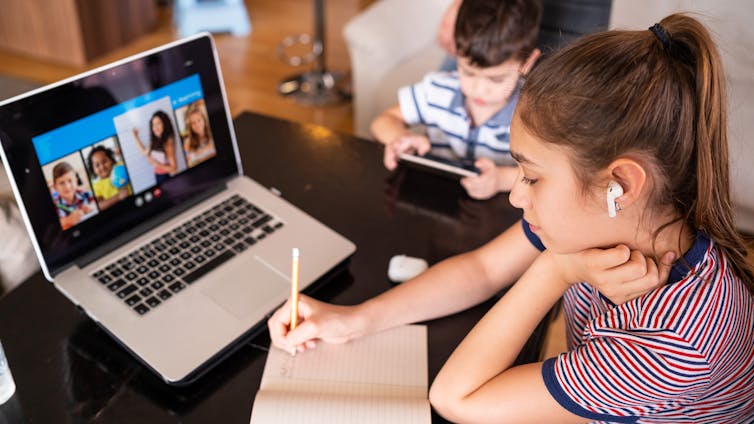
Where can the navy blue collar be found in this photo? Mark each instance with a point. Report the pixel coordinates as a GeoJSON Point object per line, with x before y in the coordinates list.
{"type": "Point", "coordinates": [692, 258]}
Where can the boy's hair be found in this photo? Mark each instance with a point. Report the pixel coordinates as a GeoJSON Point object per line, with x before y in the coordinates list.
{"type": "Point", "coordinates": [60, 169]}
{"type": "Point", "coordinates": [489, 32]}
{"type": "Point", "coordinates": [656, 95]}
{"type": "Point", "coordinates": [106, 150]}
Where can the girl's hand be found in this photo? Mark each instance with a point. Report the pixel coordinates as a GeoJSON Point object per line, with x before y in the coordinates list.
{"type": "Point", "coordinates": [317, 321]}
{"type": "Point", "coordinates": [485, 185]}
{"type": "Point", "coordinates": [406, 143]}
{"type": "Point", "coordinates": [619, 273]}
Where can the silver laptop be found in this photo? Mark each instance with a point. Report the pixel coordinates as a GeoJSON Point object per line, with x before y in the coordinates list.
{"type": "Point", "coordinates": [130, 183]}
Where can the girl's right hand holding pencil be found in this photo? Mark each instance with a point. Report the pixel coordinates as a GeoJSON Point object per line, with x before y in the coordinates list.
{"type": "Point", "coordinates": [317, 321]}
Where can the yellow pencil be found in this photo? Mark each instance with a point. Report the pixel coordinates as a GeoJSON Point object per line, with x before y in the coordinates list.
{"type": "Point", "coordinates": [294, 291]}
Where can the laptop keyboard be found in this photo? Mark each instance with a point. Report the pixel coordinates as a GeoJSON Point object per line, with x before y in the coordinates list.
{"type": "Point", "coordinates": [152, 274]}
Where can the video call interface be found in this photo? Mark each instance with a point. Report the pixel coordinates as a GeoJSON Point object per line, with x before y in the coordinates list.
{"type": "Point", "coordinates": [125, 152]}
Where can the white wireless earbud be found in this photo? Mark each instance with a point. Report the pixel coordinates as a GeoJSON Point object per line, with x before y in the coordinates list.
{"type": "Point", "coordinates": [614, 191]}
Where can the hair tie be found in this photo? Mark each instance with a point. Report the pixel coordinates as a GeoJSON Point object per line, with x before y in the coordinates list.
{"type": "Point", "coordinates": [661, 35]}
{"type": "Point", "coordinates": [676, 50]}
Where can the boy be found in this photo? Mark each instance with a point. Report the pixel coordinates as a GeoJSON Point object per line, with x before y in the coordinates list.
{"type": "Point", "coordinates": [72, 203]}
{"type": "Point", "coordinates": [468, 113]}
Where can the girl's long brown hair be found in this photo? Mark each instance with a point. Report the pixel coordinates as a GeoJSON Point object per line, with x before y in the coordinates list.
{"type": "Point", "coordinates": [656, 94]}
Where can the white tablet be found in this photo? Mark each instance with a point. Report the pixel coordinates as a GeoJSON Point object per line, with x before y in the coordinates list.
{"type": "Point", "coordinates": [442, 166]}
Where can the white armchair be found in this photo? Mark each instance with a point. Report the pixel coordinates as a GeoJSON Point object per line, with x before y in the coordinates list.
{"type": "Point", "coordinates": [17, 258]}
{"type": "Point", "coordinates": [392, 43]}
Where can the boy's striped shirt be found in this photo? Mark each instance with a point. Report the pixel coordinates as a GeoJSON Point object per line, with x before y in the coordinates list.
{"type": "Point", "coordinates": [438, 103]}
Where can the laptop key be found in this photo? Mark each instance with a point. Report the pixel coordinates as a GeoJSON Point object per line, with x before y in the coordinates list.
{"type": "Point", "coordinates": [146, 291]}
{"type": "Point", "coordinates": [208, 266]}
{"type": "Point", "coordinates": [131, 301]}
{"type": "Point", "coordinates": [105, 279]}
{"type": "Point", "coordinates": [176, 287]}
{"type": "Point", "coordinates": [261, 221]}
{"type": "Point", "coordinates": [141, 308]}
{"type": "Point", "coordinates": [142, 281]}
{"type": "Point", "coordinates": [116, 285]}
{"type": "Point", "coordinates": [152, 301]}
{"type": "Point", "coordinates": [164, 294]}
{"type": "Point", "coordinates": [127, 291]}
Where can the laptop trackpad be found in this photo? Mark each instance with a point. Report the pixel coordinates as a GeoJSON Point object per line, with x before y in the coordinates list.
{"type": "Point", "coordinates": [244, 287]}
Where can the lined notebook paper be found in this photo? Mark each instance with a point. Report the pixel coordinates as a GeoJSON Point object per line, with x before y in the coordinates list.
{"type": "Point", "coordinates": [381, 378]}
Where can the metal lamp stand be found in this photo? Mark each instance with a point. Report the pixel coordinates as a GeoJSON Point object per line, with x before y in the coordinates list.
{"type": "Point", "coordinates": [318, 87]}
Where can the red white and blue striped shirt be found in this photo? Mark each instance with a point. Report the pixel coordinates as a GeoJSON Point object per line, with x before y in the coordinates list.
{"type": "Point", "coordinates": [681, 353]}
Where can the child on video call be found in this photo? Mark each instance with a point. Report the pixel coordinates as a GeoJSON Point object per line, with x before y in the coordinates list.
{"type": "Point", "coordinates": [621, 145]}
{"type": "Point", "coordinates": [468, 113]}
{"type": "Point", "coordinates": [198, 143]}
{"type": "Point", "coordinates": [161, 152]}
{"type": "Point", "coordinates": [101, 162]}
{"type": "Point", "coordinates": [71, 202]}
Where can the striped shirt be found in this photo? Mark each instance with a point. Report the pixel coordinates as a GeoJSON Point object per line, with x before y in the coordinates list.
{"type": "Point", "coordinates": [438, 103]}
{"type": "Point", "coordinates": [681, 353]}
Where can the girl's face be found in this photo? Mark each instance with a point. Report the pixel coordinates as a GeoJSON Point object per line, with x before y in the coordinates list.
{"type": "Point", "coordinates": [196, 121]}
{"type": "Point", "coordinates": [65, 185]}
{"type": "Point", "coordinates": [157, 127]}
{"type": "Point", "coordinates": [102, 164]}
{"type": "Point", "coordinates": [548, 192]}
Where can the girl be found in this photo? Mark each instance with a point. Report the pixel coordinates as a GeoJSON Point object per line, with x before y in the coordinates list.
{"type": "Point", "coordinates": [645, 110]}
{"type": "Point", "coordinates": [101, 161]}
{"type": "Point", "coordinates": [198, 145]}
{"type": "Point", "coordinates": [639, 110]}
{"type": "Point", "coordinates": [161, 151]}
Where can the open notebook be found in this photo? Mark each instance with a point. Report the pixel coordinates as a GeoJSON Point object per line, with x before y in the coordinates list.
{"type": "Point", "coordinates": [381, 378]}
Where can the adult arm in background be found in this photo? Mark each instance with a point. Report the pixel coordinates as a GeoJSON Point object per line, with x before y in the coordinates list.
{"type": "Point", "coordinates": [446, 30]}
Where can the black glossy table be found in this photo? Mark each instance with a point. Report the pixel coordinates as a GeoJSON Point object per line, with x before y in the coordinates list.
{"type": "Point", "coordinates": [68, 371]}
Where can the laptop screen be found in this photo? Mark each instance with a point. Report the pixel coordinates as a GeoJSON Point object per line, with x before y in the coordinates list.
{"type": "Point", "coordinates": [98, 155]}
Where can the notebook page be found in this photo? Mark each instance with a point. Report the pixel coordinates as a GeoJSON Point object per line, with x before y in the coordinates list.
{"type": "Point", "coordinates": [375, 379]}
{"type": "Point", "coordinates": [395, 359]}
{"type": "Point", "coordinates": [272, 407]}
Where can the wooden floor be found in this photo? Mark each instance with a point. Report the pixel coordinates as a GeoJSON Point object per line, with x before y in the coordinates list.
{"type": "Point", "coordinates": [249, 64]}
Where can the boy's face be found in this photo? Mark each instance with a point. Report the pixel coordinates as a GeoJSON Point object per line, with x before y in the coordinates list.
{"type": "Point", "coordinates": [488, 88]}
{"type": "Point", "coordinates": [102, 164]}
{"type": "Point", "coordinates": [66, 185]}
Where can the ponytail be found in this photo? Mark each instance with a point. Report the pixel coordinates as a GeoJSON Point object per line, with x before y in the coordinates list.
{"type": "Point", "coordinates": [658, 93]}
{"type": "Point", "coordinates": [712, 209]}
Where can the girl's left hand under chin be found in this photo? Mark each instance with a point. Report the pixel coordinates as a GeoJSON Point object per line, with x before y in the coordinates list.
{"type": "Point", "coordinates": [619, 273]}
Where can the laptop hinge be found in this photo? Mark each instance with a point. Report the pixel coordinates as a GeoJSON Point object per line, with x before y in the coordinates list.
{"type": "Point", "coordinates": [148, 225]}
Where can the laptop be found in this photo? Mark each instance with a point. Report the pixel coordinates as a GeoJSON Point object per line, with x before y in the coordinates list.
{"type": "Point", "coordinates": [130, 184]}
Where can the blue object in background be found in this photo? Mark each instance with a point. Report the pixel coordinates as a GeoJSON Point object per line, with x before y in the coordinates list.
{"type": "Point", "coordinates": [119, 177]}
{"type": "Point", "coordinates": [223, 16]}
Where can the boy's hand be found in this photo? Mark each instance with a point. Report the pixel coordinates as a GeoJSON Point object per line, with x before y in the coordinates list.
{"type": "Point", "coordinates": [407, 143]}
{"type": "Point", "coordinates": [618, 273]}
{"type": "Point", "coordinates": [485, 185]}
